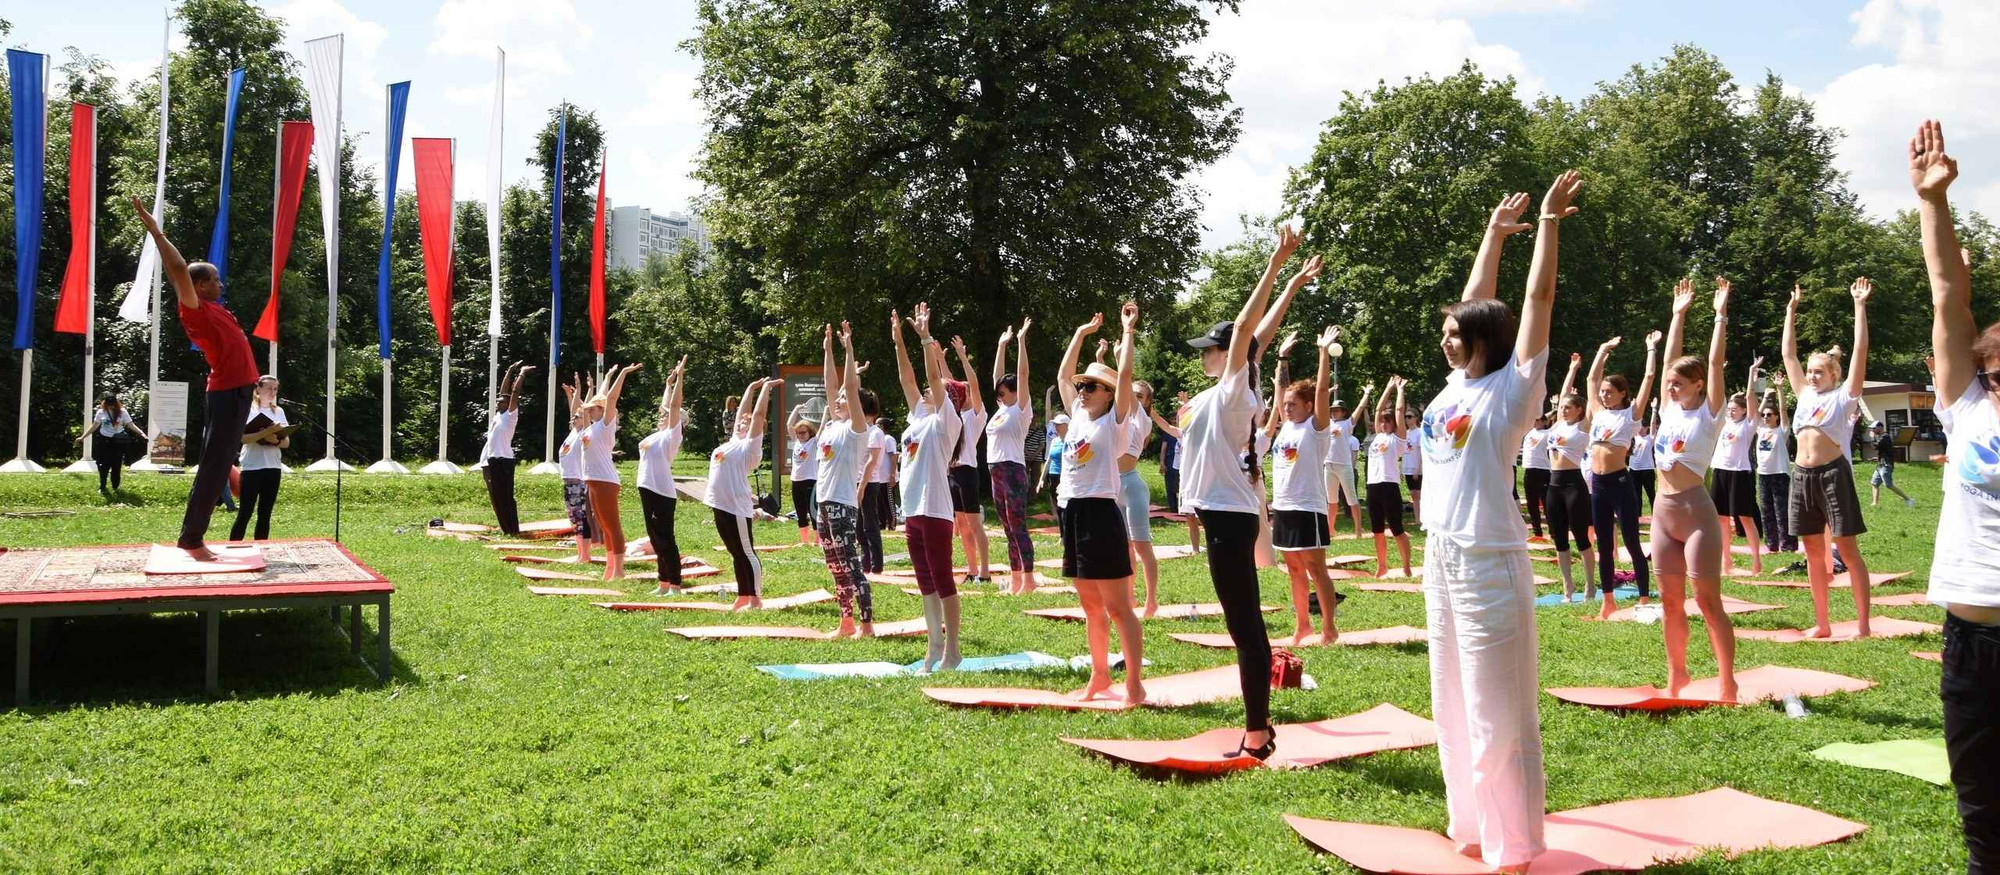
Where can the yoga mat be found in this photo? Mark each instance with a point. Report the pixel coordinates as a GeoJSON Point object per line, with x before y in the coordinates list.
{"type": "Point", "coordinates": [1166, 612]}
{"type": "Point", "coordinates": [460, 536]}
{"type": "Point", "coordinates": [573, 590]}
{"type": "Point", "coordinates": [1300, 745]}
{"type": "Point", "coordinates": [532, 573]}
{"type": "Point", "coordinates": [1920, 758]}
{"type": "Point", "coordinates": [1416, 588]}
{"type": "Point", "coordinates": [1931, 655]}
{"type": "Point", "coordinates": [1355, 638]}
{"type": "Point", "coordinates": [1878, 627]}
{"type": "Point", "coordinates": [1730, 605]}
{"type": "Point", "coordinates": [1352, 559]}
{"type": "Point", "coordinates": [1755, 685]}
{"type": "Point", "coordinates": [1555, 598]}
{"type": "Point", "coordinates": [779, 604]}
{"type": "Point", "coordinates": [1621, 836]}
{"type": "Point", "coordinates": [1840, 581]}
{"type": "Point", "coordinates": [1027, 660]}
{"type": "Point", "coordinates": [534, 559]}
{"type": "Point", "coordinates": [1908, 599]}
{"type": "Point", "coordinates": [555, 528]}
{"type": "Point", "coordinates": [815, 671]}
{"type": "Point", "coordinates": [1173, 691]}
{"type": "Point", "coordinates": [468, 528]}
{"type": "Point", "coordinates": [527, 548]}
{"type": "Point", "coordinates": [899, 629]}
{"type": "Point", "coordinates": [229, 558]}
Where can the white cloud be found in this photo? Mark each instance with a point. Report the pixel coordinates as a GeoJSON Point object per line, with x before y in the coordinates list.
{"type": "Point", "coordinates": [537, 33]}
{"type": "Point", "coordinates": [1943, 67]}
{"type": "Point", "coordinates": [1287, 87]}
{"type": "Point", "coordinates": [361, 89]}
{"type": "Point", "coordinates": [669, 101]}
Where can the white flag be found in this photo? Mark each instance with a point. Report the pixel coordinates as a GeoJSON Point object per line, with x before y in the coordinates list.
{"type": "Point", "coordinates": [138, 303]}
{"type": "Point", "coordinates": [323, 92]}
{"type": "Point", "coordinates": [494, 130]}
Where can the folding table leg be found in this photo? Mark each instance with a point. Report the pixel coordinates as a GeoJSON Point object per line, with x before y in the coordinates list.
{"type": "Point", "coordinates": [211, 622]}
{"type": "Point", "coordinates": [382, 664]}
{"type": "Point", "coordinates": [354, 628]}
{"type": "Point", "coordinates": [22, 654]}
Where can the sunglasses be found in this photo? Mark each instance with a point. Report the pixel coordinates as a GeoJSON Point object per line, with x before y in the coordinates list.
{"type": "Point", "coordinates": [1988, 381]}
{"type": "Point", "coordinates": [1087, 388]}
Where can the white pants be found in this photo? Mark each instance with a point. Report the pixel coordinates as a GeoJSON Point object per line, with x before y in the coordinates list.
{"type": "Point", "coordinates": [1339, 482]}
{"type": "Point", "coordinates": [1480, 609]}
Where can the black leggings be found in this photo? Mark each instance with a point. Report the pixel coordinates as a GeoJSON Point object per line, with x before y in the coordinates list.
{"type": "Point", "coordinates": [742, 547]}
{"type": "Point", "coordinates": [803, 503]}
{"type": "Point", "coordinates": [874, 501]}
{"type": "Point", "coordinates": [1385, 507]}
{"type": "Point", "coordinates": [1536, 483]}
{"type": "Point", "coordinates": [659, 513]}
{"type": "Point", "coordinates": [260, 492]}
{"type": "Point", "coordinates": [110, 455]}
{"type": "Point", "coordinates": [1972, 735]}
{"type": "Point", "coordinates": [1232, 566]}
{"type": "Point", "coordinates": [1645, 479]}
{"type": "Point", "coordinates": [1617, 499]}
{"type": "Point", "coordinates": [1569, 509]}
{"type": "Point", "coordinates": [221, 443]}
{"type": "Point", "coordinates": [499, 477]}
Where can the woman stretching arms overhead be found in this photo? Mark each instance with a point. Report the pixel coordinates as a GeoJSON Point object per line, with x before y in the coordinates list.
{"type": "Point", "coordinates": [1096, 552]}
{"type": "Point", "coordinates": [924, 479]}
{"type": "Point", "coordinates": [1825, 505]}
{"type": "Point", "coordinates": [728, 493]}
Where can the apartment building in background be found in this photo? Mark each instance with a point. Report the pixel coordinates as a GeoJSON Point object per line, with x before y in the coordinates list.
{"type": "Point", "coordinates": [637, 234]}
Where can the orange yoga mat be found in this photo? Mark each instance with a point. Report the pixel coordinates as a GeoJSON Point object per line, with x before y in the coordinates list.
{"type": "Point", "coordinates": [229, 558]}
{"type": "Point", "coordinates": [1755, 685]}
{"type": "Point", "coordinates": [1840, 581]}
{"type": "Point", "coordinates": [1355, 638]}
{"type": "Point", "coordinates": [528, 548]}
{"type": "Point", "coordinates": [1300, 745]}
{"type": "Point", "coordinates": [1350, 559]}
{"type": "Point", "coordinates": [900, 629]}
{"type": "Point", "coordinates": [556, 528]}
{"type": "Point", "coordinates": [792, 601]}
{"type": "Point", "coordinates": [1621, 836]}
{"type": "Point", "coordinates": [1730, 605]}
{"type": "Point", "coordinates": [1173, 691]}
{"type": "Point", "coordinates": [1389, 587]}
{"type": "Point", "coordinates": [535, 559]}
{"type": "Point", "coordinates": [1166, 612]}
{"type": "Point", "coordinates": [573, 590]}
{"type": "Point", "coordinates": [1908, 599]}
{"type": "Point", "coordinates": [1931, 655]}
{"type": "Point", "coordinates": [533, 573]}
{"type": "Point", "coordinates": [1878, 627]}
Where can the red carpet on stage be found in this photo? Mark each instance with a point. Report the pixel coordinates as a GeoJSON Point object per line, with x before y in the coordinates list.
{"type": "Point", "coordinates": [114, 573]}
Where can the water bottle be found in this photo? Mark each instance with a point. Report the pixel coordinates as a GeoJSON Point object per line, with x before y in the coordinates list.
{"type": "Point", "coordinates": [1795, 707]}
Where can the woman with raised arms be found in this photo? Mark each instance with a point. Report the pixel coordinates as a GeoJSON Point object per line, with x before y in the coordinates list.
{"type": "Point", "coordinates": [924, 479]}
{"type": "Point", "coordinates": [1096, 550]}
{"type": "Point", "coordinates": [728, 492]}
{"type": "Point", "coordinates": [1006, 459]}
{"type": "Point", "coordinates": [1614, 494]}
{"type": "Point", "coordinates": [657, 496]}
{"type": "Point", "coordinates": [1825, 506]}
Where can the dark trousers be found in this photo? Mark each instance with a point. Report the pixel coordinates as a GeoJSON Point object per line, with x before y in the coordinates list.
{"type": "Point", "coordinates": [874, 510]}
{"type": "Point", "coordinates": [659, 513]}
{"type": "Point", "coordinates": [499, 477]}
{"type": "Point", "coordinates": [1648, 482]}
{"type": "Point", "coordinates": [1536, 483]}
{"type": "Point", "coordinates": [221, 442]}
{"type": "Point", "coordinates": [1774, 505]}
{"type": "Point", "coordinates": [1173, 477]}
{"type": "Point", "coordinates": [1971, 693]}
{"type": "Point", "coordinates": [1232, 567]}
{"type": "Point", "coordinates": [260, 494]}
{"type": "Point", "coordinates": [110, 455]}
{"type": "Point", "coordinates": [742, 546]}
{"type": "Point", "coordinates": [1616, 499]}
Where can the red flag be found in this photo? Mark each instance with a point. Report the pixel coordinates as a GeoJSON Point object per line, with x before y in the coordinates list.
{"type": "Point", "coordinates": [73, 309]}
{"type": "Point", "coordinates": [433, 157]}
{"type": "Point", "coordinates": [294, 146]}
{"type": "Point", "coordinates": [597, 262]}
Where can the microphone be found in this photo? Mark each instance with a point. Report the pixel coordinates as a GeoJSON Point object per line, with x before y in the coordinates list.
{"type": "Point", "coordinates": [289, 402]}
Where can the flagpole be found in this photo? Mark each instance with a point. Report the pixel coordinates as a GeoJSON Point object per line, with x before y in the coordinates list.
{"type": "Point", "coordinates": [494, 129]}
{"type": "Point", "coordinates": [442, 466]}
{"type": "Point", "coordinates": [88, 463]}
{"type": "Point", "coordinates": [548, 465]}
{"type": "Point", "coordinates": [21, 464]}
{"type": "Point", "coordinates": [145, 462]}
{"type": "Point", "coordinates": [328, 142]}
{"type": "Point", "coordinates": [394, 146]}
{"type": "Point", "coordinates": [277, 199]}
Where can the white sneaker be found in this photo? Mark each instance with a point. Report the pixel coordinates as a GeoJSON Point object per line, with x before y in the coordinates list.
{"type": "Point", "coordinates": [1909, 502]}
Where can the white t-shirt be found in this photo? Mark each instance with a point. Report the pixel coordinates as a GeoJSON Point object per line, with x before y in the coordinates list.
{"type": "Point", "coordinates": [1297, 483]}
{"type": "Point", "coordinates": [259, 457]}
{"type": "Point", "coordinates": [805, 457]}
{"type": "Point", "coordinates": [729, 477]}
{"type": "Point", "coordinates": [1774, 453]}
{"type": "Point", "coordinates": [841, 449]}
{"type": "Point", "coordinates": [1567, 439]}
{"type": "Point", "coordinates": [1215, 427]}
{"type": "Point", "coordinates": [1413, 461]}
{"type": "Point", "coordinates": [1642, 453]}
{"type": "Point", "coordinates": [973, 424]}
{"type": "Point", "coordinates": [1965, 570]}
{"type": "Point", "coordinates": [109, 426]}
{"type": "Point", "coordinates": [570, 456]}
{"type": "Point", "coordinates": [1353, 448]}
{"type": "Point", "coordinates": [885, 462]}
{"type": "Point", "coordinates": [1470, 433]}
{"type": "Point", "coordinates": [656, 460]}
{"type": "Point", "coordinates": [500, 435]}
{"type": "Point", "coordinates": [1733, 445]}
{"type": "Point", "coordinates": [1535, 449]}
{"type": "Point", "coordinates": [922, 476]}
{"type": "Point", "coordinates": [1138, 429]}
{"type": "Point", "coordinates": [1338, 433]}
{"type": "Point", "coordinates": [1830, 412]}
{"type": "Point", "coordinates": [1007, 432]}
{"type": "Point", "coordinates": [1686, 437]}
{"type": "Point", "coordinates": [1614, 427]}
{"type": "Point", "coordinates": [1385, 458]}
{"type": "Point", "coordinates": [598, 438]}
{"type": "Point", "coordinates": [1090, 462]}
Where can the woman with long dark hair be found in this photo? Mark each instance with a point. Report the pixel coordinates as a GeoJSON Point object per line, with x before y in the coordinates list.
{"type": "Point", "coordinates": [1614, 495]}
{"type": "Point", "coordinates": [1569, 494]}
{"type": "Point", "coordinates": [657, 496]}
{"type": "Point", "coordinates": [498, 452]}
{"type": "Point", "coordinates": [728, 492]}
{"type": "Point", "coordinates": [925, 482]}
{"type": "Point", "coordinates": [1006, 459]}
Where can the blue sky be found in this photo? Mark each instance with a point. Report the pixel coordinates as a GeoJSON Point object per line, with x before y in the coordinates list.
{"type": "Point", "coordinates": [1875, 67]}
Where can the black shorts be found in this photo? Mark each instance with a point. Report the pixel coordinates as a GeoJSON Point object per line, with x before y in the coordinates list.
{"type": "Point", "coordinates": [1093, 540]}
{"type": "Point", "coordinates": [1734, 493]}
{"type": "Point", "coordinates": [1385, 508]}
{"type": "Point", "coordinates": [1824, 500]}
{"type": "Point", "coordinates": [965, 489]}
{"type": "Point", "coordinates": [1293, 530]}
{"type": "Point", "coordinates": [1414, 481]}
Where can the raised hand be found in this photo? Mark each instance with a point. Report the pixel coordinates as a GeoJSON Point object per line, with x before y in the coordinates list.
{"type": "Point", "coordinates": [146, 216]}
{"type": "Point", "coordinates": [861, 369]}
{"type": "Point", "coordinates": [1285, 346]}
{"type": "Point", "coordinates": [1506, 218]}
{"type": "Point", "coordinates": [922, 322]}
{"type": "Point", "coordinates": [1611, 344]}
{"type": "Point", "coordinates": [1025, 325]}
{"type": "Point", "coordinates": [846, 336]}
{"type": "Point", "coordinates": [1327, 338]}
{"type": "Point", "coordinates": [1307, 273]}
{"type": "Point", "coordinates": [1103, 346]}
{"type": "Point", "coordinates": [1756, 364]}
{"type": "Point", "coordinates": [1652, 340]}
{"type": "Point", "coordinates": [1128, 316]}
{"type": "Point", "coordinates": [1288, 243]}
{"type": "Point", "coordinates": [1798, 294]}
{"type": "Point", "coordinates": [1090, 328]}
{"type": "Point", "coordinates": [826, 338]}
{"type": "Point", "coordinates": [958, 345]}
{"type": "Point", "coordinates": [896, 324]}
{"type": "Point", "coordinates": [1007, 335]}
{"type": "Point", "coordinates": [1683, 296]}
{"type": "Point", "coordinates": [1722, 291]}
{"type": "Point", "coordinates": [1556, 204]}
{"type": "Point", "coordinates": [1575, 358]}
{"type": "Point", "coordinates": [1861, 289]}
{"type": "Point", "coordinates": [1931, 170]}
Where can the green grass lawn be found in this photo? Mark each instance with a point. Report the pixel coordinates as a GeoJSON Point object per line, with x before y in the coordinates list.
{"type": "Point", "coordinates": [537, 734]}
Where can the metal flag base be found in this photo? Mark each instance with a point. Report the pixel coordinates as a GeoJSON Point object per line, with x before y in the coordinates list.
{"type": "Point", "coordinates": [546, 468]}
{"type": "Point", "coordinates": [386, 466]}
{"type": "Point", "coordinates": [147, 464]}
{"type": "Point", "coordinates": [330, 465]}
{"type": "Point", "coordinates": [82, 466]}
{"type": "Point", "coordinates": [441, 467]}
{"type": "Point", "coordinates": [22, 466]}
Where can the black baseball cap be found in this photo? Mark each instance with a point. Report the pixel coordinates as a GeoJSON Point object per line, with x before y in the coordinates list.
{"type": "Point", "coordinates": [1219, 335]}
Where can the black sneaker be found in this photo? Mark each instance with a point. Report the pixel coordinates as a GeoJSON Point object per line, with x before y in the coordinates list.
{"type": "Point", "coordinates": [1798, 567]}
{"type": "Point", "coordinates": [1840, 568]}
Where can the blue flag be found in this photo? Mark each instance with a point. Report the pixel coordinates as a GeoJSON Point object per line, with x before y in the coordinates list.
{"type": "Point", "coordinates": [28, 73]}
{"type": "Point", "coordinates": [218, 242]}
{"type": "Point", "coordinates": [555, 249]}
{"type": "Point", "coordinates": [399, 100]}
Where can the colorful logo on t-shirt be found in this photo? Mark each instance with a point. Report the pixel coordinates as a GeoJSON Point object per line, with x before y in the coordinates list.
{"type": "Point", "coordinates": [1288, 454]}
{"type": "Point", "coordinates": [716, 458]}
{"type": "Point", "coordinates": [1446, 430]}
{"type": "Point", "coordinates": [826, 452]}
{"type": "Point", "coordinates": [1081, 452]}
{"type": "Point", "coordinates": [1817, 415]}
{"type": "Point", "coordinates": [1979, 467]}
{"type": "Point", "coordinates": [910, 446]}
{"type": "Point", "coordinates": [1671, 443]}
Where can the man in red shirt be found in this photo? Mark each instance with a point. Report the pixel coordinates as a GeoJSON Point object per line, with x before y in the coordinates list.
{"type": "Point", "coordinates": [232, 372]}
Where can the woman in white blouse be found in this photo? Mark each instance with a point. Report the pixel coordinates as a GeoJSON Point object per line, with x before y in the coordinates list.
{"type": "Point", "coordinates": [260, 462]}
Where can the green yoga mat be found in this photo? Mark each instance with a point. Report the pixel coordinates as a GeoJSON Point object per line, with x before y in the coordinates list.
{"type": "Point", "coordinates": [1917, 757]}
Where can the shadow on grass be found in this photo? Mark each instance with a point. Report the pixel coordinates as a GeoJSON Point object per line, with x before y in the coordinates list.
{"type": "Point", "coordinates": [158, 659]}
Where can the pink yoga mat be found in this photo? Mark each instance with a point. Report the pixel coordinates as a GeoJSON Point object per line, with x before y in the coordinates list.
{"type": "Point", "coordinates": [793, 601]}
{"type": "Point", "coordinates": [1931, 655]}
{"type": "Point", "coordinates": [900, 629]}
{"type": "Point", "coordinates": [1878, 627]}
{"type": "Point", "coordinates": [1300, 745]}
{"type": "Point", "coordinates": [1755, 685]}
{"type": "Point", "coordinates": [1840, 581]}
{"type": "Point", "coordinates": [1908, 599]}
{"type": "Point", "coordinates": [556, 528]}
{"type": "Point", "coordinates": [1730, 605]}
{"type": "Point", "coordinates": [1166, 612]}
{"type": "Point", "coordinates": [1355, 638]}
{"type": "Point", "coordinates": [1622, 836]}
{"type": "Point", "coordinates": [229, 558]}
{"type": "Point", "coordinates": [535, 573]}
{"type": "Point", "coordinates": [573, 590]}
{"type": "Point", "coordinates": [1173, 691]}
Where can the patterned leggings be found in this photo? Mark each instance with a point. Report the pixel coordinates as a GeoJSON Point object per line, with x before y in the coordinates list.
{"type": "Point", "coordinates": [1010, 495]}
{"type": "Point", "coordinates": [840, 538]}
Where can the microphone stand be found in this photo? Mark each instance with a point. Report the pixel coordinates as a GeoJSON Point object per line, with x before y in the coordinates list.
{"type": "Point", "coordinates": [313, 426]}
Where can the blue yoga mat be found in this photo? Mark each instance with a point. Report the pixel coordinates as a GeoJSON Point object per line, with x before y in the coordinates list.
{"type": "Point", "coordinates": [1555, 598]}
{"type": "Point", "coordinates": [1025, 661]}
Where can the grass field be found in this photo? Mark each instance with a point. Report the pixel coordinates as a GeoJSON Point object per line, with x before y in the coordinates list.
{"type": "Point", "coordinates": [538, 734]}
